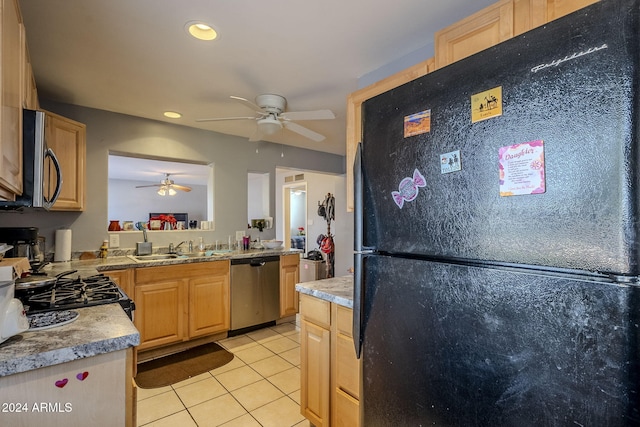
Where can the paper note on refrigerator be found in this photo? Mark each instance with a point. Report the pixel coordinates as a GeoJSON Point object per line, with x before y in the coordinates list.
{"type": "Point", "coordinates": [522, 169]}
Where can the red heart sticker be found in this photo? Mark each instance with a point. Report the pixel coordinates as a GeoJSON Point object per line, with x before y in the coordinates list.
{"type": "Point", "coordinates": [82, 375]}
{"type": "Point", "coordinates": [61, 383]}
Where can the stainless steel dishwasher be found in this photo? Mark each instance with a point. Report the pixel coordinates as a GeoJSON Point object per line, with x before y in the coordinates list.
{"type": "Point", "coordinates": [255, 292]}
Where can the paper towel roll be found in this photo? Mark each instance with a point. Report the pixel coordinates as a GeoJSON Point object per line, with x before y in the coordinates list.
{"type": "Point", "coordinates": [63, 245]}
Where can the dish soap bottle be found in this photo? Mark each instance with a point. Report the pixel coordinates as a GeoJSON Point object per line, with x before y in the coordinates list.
{"type": "Point", "coordinates": [104, 249]}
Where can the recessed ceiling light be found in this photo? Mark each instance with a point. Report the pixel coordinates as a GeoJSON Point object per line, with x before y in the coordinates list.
{"type": "Point", "coordinates": [201, 31]}
{"type": "Point", "coordinates": [172, 114]}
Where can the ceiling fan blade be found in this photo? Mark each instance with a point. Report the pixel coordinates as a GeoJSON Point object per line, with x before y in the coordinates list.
{"type": "Point", "coordinates": [309, 115]}
{"type": "Point", "coordinates": [217, 119]}
{"type": "Point", "coordinates": [248, 103]}
{"type": "Point", "coordinates": [308, 133]}
{"type": "Point", "coordinates": [152, 185]}
{"type": "Point", "coordinates": [181, 187]}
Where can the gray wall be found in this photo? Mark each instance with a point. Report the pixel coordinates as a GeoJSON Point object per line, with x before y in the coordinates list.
{"type": "Point", "coordinates": [232, 157]}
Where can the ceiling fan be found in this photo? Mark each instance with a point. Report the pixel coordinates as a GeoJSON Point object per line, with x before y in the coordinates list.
{"type": "Point", "coordinates": [167, 186]}
{"type": "Point", "coordinates": [271, 117]}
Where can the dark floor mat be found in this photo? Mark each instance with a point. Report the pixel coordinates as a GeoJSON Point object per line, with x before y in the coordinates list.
{"type": "Point", "coordinates": [181, 366]}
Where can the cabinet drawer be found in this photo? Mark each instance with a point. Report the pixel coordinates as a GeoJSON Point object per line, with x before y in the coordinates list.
{"type": "Point", "coordinates": [347, 366]}
{"type": "Point", "coordinates": [344, 320]}
{"type": "Point", "coordinates": [315, 310]}
{"type": "Point", "coordinates": [347, 410]}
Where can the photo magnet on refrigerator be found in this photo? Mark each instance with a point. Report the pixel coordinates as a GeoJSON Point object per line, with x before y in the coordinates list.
{"type": "Point", "coordinates": [450, 162]}
{"type": "Point", "coordinates": [408, 188]}
{"type": "Point", "coordinates": [418, 123]}
{"type": "Point", "coordinates": [487, 104]}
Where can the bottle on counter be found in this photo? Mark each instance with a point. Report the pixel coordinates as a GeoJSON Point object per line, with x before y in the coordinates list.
{"type": "Point", "coordinates": [104, 249]}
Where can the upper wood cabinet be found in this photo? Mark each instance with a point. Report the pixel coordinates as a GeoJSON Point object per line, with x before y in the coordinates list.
{"type": "Point", "coordinates": [30, 95]}
{"type": "Point", "coordinates": [488, 27]}
{"type": "Point", "coordinates": [12, 56]}
{"type": "Point", "coordinates": [497, 23]}
{"type": "Point", "coordinates": [558, 8]}
{"type": "Point", "coordinates": [67, 138]}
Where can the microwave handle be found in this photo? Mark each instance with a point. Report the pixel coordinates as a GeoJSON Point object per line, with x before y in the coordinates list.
{"type": "Point", "coordinates": [49, 203]}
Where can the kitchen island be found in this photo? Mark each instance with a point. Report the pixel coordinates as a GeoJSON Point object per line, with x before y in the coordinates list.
{"type": "Point", "coordinates": [330, 373]}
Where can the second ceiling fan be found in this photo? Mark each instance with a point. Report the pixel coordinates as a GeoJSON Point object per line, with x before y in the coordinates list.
{"type": "Point", "coordinates": [271, 117]}
{"type": "Point", "coordinates": [167, 186]}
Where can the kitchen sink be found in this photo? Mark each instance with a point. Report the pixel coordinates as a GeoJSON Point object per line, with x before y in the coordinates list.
{"type": "Point", "coordinates": [153, 257]}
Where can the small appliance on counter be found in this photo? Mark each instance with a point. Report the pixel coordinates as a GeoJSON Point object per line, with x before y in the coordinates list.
{"type": "Point", "coordinates": [13, 319]}
{"type": "Point", "coordinates": [25, 243]}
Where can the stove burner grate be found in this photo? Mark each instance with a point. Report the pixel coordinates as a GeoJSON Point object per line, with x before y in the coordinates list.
{"type": "Point", "coordinates": [75, 293]}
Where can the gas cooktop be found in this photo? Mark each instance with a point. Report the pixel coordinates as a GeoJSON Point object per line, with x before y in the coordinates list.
{"type": "Point", "coordinates": [68, 293]}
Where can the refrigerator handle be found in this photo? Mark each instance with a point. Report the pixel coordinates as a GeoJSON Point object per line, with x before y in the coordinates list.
{"type": "Point", "coordinates": [359, 252]}
{"type": "Point", "coordinates": [357, 199]}
{"type": "Point", "coordinates": [357, 330]}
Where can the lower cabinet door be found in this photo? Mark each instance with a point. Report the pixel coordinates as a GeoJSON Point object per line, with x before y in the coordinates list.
{"type": "Point", "coordinates": [160, 312]}
{"type": "Point", "coordinates": [315, 374]}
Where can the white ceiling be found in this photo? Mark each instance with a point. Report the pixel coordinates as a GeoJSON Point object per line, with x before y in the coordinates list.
{"type": "Point", "coordinates": [138, 169]}
{"type": "Point", "coordinates": [135, 56]}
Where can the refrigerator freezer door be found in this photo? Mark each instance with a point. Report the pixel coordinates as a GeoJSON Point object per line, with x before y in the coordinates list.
{"type": "Point", "coordinates": [457, 345]}
{"type": "Point", "coordinates": [571, 84]}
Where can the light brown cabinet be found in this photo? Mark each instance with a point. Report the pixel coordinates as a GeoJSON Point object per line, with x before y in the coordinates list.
{"type": "Point", "coordinates": [67, 138]}
{"type": "Point", "coordinates": [181, 302]}
{"type": "Point", "coordinates": [122, 278]}
{"type": "Point", "coordinates": [486, 28]}
{"type": "Point", "coordinates": [289, 276]}
{"type": "Point", "coordinates": [330, 373]}
{"type": "Point", "coordinates": [12, 56]}
{"type": "Point", "coordinates": [315, 360]}
{"type": "Point", "coordinates": [497, 23]}
{"type": "Point", "coordinates": [346, 370]}
{"type": "Point", "coordinates": [30, 95]}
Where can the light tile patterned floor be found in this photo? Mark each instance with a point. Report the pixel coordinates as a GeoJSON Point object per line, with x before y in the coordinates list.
{"type": "Point", "coordinates": [260, 387]}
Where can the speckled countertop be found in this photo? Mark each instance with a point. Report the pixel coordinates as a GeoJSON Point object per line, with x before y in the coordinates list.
{"type": "Point", "coordinates": [97, 330]}
{"type": "Point", "coordinates": [86, 267]}
{"type": "Point", "coordinates": [336, 289]}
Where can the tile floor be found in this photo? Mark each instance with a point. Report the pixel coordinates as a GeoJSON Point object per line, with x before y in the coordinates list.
{"type": "Point", "coordinates": [260, 387]}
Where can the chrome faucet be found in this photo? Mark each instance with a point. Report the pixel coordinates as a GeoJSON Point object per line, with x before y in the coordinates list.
{"type": "Point", "coordinates": [172, 249]}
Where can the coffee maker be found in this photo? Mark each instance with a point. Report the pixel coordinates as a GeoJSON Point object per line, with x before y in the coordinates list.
{"type": "Point", "coordinates": [24, 241]}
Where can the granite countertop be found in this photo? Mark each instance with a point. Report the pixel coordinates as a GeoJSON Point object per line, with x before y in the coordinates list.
{"type": "Point", "coordinates": [336, 289]}
{"type": "Point", "coordinates": [97, 330]}
{"type": "Point", "coordinates": [87, 267]}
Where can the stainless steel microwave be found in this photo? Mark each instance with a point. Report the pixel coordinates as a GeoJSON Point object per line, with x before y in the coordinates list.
{"type": "Point", "coordinates": [42, 176]}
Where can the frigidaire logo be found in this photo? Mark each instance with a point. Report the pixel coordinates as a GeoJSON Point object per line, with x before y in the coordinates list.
{"type": "Point", "coordinates": [568, 58]}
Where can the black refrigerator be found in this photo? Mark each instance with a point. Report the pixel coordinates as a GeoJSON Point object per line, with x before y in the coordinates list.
{"type": "Point", "coordinates": [496, 237]}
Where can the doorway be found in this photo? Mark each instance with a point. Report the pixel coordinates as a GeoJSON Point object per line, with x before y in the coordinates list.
{"type": "Point", "coordinates": [295, 216]}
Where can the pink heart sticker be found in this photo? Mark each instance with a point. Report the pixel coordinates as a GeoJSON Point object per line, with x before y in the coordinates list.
{"type": "Point", "coordinates": [61, 383]}
{"type": "Point", "coordinates": [82, 375]}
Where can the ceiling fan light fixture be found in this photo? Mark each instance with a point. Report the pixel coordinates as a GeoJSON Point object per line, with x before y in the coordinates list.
{"type": "Point", "coordinates": [201, 31]}
{"type": "Point", "coordinates": [162, 191]}
{"type": "Point", "coordinates": [172, 192]}
{"type": "Point", "coordinates": [269, 125]}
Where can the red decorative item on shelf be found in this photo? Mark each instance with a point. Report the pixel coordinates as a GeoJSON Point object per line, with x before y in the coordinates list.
{"type": "Point", "coordinates": [164, 220]}
{"type": "Point", "coordinates": [114, 225]}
